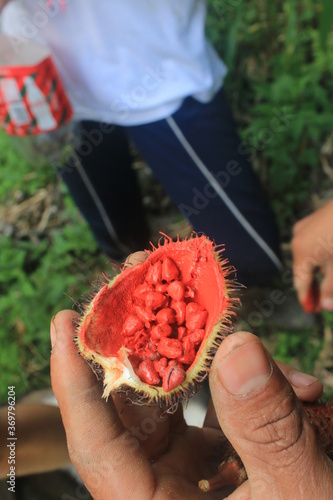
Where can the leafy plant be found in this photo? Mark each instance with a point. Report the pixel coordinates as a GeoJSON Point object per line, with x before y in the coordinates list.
{"type": "Point", "coordinates": [298, 347]}
{"type": "Point", "coordinates": [325, 22]}
{"type": "Point", "coordinates": [280, 85]}
{"type": "Point", "coordinates": [36, 272]}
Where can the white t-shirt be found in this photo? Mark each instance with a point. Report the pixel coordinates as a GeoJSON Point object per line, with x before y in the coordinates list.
{"type": "Point", "coordinates": [126, 62]}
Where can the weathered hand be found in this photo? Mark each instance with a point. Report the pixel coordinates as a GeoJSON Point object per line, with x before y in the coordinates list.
{"type": "Point", "coordinates": [265, 422]}
{"type": "Point", "coordinates": [312, 247]}
{"type": "Point", "coordinates": [3, 3]}
{"type": "Point", "coordinates": [132, 453]}
{"type": "Point", "coordinates": [129, 451]}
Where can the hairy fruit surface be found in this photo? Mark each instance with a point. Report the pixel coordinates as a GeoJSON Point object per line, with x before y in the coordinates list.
{"type": "Point", "coordinates": [155, 327]}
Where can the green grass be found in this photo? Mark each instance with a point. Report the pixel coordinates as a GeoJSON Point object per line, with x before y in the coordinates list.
{"type": "Point", "coordinates": [278, 67]}
{"type": "Point", "coordinates": [37, 272]}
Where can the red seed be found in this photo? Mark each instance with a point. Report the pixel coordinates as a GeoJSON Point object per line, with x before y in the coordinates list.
{"type": "Point", "coordinates": [160, 365]}
{"type": "Point", "coordinates": [141, 337]}
{"type": "Point", "coordinates": [147, 372]}
{"type": "Point", "coordinates": [137, 341]}
{"type": "Point", "coordinates": [154, 273]}
{"type": "Point", "coordinates": [197, 336]}
{"type": "Point", "coordinates": [155, 300]}
{"type": "Point", "coordinates": [196, 316]}
{"type": "Point", "coordinates": [189, 292]}
{"type": "Point", "coordinates": [161, 287]}
{"type": "Point", "coordinates": [175, 362]}
{"type": "Point", "coordinates": [172, 377]}
{"type": "Point", "coordinates": [166, 315]}
{"type": "Point", "coordinates": [161, 330]}
{"type": "Point", "coordinates": [152, 355]}
{"type": "Point", "coordinates": [189, 352]}
{"type": "Point", "coordinates": [193, 308]}
{"type": "Point", "coordinates": [176, 290]}
{"type": "Point", "coordinates": [132, 325]}
{"type": "Point", "coordinates": [170, 270]}
{"type": "Point", "coordinates": [170, 348]}
{"type": "Point", "coordinates": [181, 332]}
{"type": "Point", "coordinates": [142, 290]}
{"type": "Point", "coordinates": [145, 315]}
{"type": "Point", "coordinates": [180, 311]}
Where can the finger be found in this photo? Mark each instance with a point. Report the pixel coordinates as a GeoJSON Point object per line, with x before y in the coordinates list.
{"type": "Point", "coordinates": [211, 419]}
{"type": "Point", "coordinates": [301, 224]}
{"type": "Point", "coordinates": [306, 387]}
{"type": "Point", "coordinates": [264, 421]}
{"type": "Point", "coordinates": [102, 450]}
{"type": "Point", "coordinates": [326, 288]}
{"type": "Point", "coordinates": [303, 269]}
{"type": "Point", "coordinates": [304, 262]}
{"type": "Point", "coordinates": [136, 258]}
{"type": "Point", "coordinates": [312, 247]}
{"type": "Point", "coordinates": [243, 492]}
{"type": "Point", "coordinates": [149, 424]}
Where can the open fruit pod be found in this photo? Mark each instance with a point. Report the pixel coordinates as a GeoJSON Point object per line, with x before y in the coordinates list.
{"type": "Point", "coordinates": [152, 331]}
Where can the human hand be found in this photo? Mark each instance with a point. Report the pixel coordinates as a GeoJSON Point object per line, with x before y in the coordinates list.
{"type": "Point", "coordinates": [266, 424]}
{"type": "Point", "coordinates": [129, 451]}
{"type": "Point", "coordinates": [312, 247]}
{"type": "Point", "coordinates": [3, 3]}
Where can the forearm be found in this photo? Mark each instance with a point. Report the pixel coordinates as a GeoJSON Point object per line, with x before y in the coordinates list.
{"type": "Point", "coordinates": [41, 441]}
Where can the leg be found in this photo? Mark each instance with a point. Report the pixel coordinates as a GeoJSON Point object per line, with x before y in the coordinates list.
{"type": "Point", "coordinates": [104, 186]}
{"type": "Point", "coordinates": [195, 155]}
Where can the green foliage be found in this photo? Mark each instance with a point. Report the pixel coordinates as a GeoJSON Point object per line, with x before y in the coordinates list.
{"type": "Point", "coordinates": [16, 174]}
{"type": "Point", "coordinates": [280, 85]}
{"type": "Point", "coordinates": [34, 277]}
{"type": "Point", "coordinates": [326, 22]}
{"type": "Point", "coordinates": [298, 347]}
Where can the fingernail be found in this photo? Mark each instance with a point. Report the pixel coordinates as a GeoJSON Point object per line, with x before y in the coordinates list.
{"type": "Point", "coordinates": [53, 333]}
{"type": "Point", "coordinates": [300, 380]}
{"type": "Point", "coordinates": [245, 369]}
{"type": "Point", "coordinates": [327, 303]}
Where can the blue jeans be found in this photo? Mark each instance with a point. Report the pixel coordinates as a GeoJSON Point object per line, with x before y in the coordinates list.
{"type": "Point", "coordinates": [197, 156]}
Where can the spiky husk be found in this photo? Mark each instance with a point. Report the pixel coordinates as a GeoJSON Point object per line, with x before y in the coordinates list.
{"type": "Point", "coordinates": [201, 263]}
{"type": "Point", "coordinates": [320, 415]}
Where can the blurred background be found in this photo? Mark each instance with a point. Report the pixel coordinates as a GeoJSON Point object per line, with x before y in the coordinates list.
{"type": "Point", "coordinates": [280, 61]}
{"type": "Point", "coordinates": [279, 56]}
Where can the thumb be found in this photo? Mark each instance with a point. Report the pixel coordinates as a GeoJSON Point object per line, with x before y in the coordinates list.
{"type": "Point", "coordinates": [100, 447]}
{"type": "Point", "coordinates": [264, 421]}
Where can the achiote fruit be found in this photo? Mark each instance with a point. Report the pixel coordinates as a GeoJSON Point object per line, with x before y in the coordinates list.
{"type": "Point", "coordinates": [155, 327]}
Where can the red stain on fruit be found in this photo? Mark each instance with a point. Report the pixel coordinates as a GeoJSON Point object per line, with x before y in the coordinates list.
{"type": "Point", "coordinates": [311, 303]}
{"type": "Point", "coordinates": [155, 327]}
